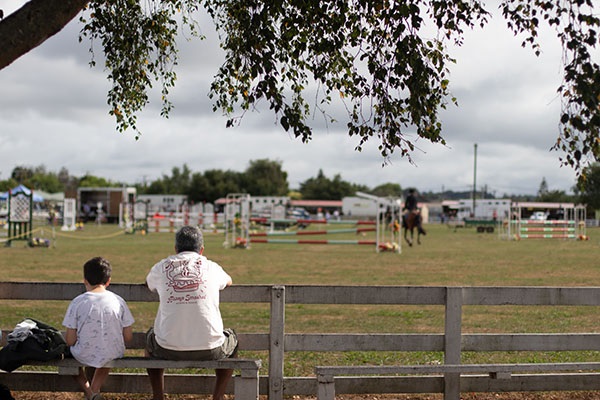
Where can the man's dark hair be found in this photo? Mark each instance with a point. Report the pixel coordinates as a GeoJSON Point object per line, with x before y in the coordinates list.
{"type": "Point", "coordinates": [97, 271]}
{"type": "Point", "coordinates": [189, 238]}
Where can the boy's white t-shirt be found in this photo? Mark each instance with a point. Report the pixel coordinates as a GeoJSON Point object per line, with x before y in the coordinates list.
{"type": "Point", "coordinates": [99, 319]}
{"type": "Point", "coordinates": [188, 316]}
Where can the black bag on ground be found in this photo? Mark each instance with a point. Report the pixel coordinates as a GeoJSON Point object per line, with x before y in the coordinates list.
{"type": "Point", "coordinates": [43, 343]}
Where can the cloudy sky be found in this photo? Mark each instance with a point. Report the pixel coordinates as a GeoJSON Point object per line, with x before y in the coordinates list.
{"type": "Point", "coordinates": [53, 112]}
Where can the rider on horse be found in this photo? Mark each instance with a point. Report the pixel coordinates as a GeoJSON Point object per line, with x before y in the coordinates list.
{"type": "Point", "coordinates": [411, 201]}
{"type": "Point", "coordinates": [410, 207]}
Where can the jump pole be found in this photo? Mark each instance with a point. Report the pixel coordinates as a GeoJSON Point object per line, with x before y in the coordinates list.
{"type": "Point", "coordinates": [264, 220]}
{"type": "Point", "coordinates": [383, 204]}
{"type": "Point", "coordinates": [547, 236]}
{"type": "Point", "coordinates": [313, 241]}
{"type": "Point", "coordinates": [541, 229]}
{"type": "Point", "coordinates": [69, 214]}
{"type": "Point", "coordinates": [237, 220]}
{"type": "Point", "coordinates": [308, 233]}
{"type": "Point", "coordinates": [549, 222]}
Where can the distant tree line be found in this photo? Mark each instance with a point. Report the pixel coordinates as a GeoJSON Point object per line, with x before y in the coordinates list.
{"type": "Point", "coordinates": [266, 177]}
{"type": "Point", "coordinates": [39, 178]}
{"type": "Point", "coordinates": [262, 177]}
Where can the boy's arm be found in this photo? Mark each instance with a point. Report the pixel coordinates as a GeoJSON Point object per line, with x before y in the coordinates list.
{"type": "Point", "coordinates": [127, 334]}
{"type": "Point", "coordinates": [71, 336]}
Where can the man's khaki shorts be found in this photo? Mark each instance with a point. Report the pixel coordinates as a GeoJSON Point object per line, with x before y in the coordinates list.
{"type": "Point", "coordinates": [227, 350]}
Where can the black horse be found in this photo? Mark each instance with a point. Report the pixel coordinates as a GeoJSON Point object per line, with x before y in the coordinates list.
{"type": "Point", "coordinates": [410, 221]}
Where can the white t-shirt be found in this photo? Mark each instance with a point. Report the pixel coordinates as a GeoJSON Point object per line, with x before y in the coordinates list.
{"type": "Point", "coordinates": [99, 319]}
{"type": "Point", "coordinates": [188, 316]}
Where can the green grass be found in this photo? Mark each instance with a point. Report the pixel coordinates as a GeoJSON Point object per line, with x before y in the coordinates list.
{"type": "Point", "coordinates": [446, 257]}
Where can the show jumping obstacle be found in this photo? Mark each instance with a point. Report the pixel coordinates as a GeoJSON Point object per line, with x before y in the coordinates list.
{"type": "Point", "coordinates": [262, 237]}
{"type": "Point", "coordinates": [560, 230]}
{"type": "Point", "coordinates": [571, 225]}
{"type": "Point", "coordinates": [386, 227]}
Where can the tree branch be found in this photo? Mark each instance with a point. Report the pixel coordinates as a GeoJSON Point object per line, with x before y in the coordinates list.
{"type": "Point", "coordinates": [33, 24]}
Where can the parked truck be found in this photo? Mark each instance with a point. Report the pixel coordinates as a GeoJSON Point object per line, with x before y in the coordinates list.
{"type": "Point", "coordinates": [359, 207]}
{"type": "Point", "coordinates": [485, 217]}
{"type": "Point", "coordinates": [485, 209]}
{"type": "Point", "coordinates": [103, 203]}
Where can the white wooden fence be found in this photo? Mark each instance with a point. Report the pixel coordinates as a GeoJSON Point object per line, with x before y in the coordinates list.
{"type": "Point", "coordinates": [452, 341]}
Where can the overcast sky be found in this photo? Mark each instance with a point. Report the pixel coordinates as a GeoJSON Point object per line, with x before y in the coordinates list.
{"type": "Point", "coordinates": [53, 112]}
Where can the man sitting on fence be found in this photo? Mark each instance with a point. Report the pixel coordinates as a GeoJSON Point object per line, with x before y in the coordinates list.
{"type": "Point", "coordinates": [188, 324]}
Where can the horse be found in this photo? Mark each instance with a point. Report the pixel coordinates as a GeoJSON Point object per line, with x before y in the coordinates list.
{"type": "Point", "coordinates": [410, 221]}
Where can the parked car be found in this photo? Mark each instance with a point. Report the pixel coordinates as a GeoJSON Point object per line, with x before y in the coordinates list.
{"type": "Point", "coordinates": [298, 213]}
{"type": "Point", "coordinates": [538, 216]}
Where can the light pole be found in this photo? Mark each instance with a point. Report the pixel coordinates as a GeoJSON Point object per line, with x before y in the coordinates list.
{"type": "Point", "coordinates": [474, 178]}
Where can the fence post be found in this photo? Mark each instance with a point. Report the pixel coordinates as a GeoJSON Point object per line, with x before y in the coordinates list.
{"type": "Point", "coordinates": [325, 387]}
{"type": "Point", "coordinates": [276, 342]}
{"type": "Point", "coordinates": [452, 341]}
{"type": "Point", "coordinates": [246, 385]}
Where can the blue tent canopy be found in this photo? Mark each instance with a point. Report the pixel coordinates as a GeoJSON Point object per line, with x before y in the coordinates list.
{"type": "Point", "coordinates": [22, 189]}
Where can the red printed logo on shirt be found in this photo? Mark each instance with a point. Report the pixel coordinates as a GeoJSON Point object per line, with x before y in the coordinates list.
{"type": "Point", "coordinates": [184, 276]}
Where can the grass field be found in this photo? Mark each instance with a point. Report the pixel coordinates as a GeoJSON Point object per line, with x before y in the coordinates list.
{"type": "Point", "coordinates": [446, 257]}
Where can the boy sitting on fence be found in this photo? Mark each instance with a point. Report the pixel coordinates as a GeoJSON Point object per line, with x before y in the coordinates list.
{"type": "Point", "coordinates": [98, 324]}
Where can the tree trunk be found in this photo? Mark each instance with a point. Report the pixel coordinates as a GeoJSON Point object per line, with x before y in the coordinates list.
{"type": "Point", "coordinates": [32, 24]}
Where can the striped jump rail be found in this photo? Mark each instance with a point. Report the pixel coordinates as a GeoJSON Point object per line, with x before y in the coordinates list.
{"type": "Point", "coordinates": [319, 232]}
{"type": "Point", "coordinates": [312, 241]}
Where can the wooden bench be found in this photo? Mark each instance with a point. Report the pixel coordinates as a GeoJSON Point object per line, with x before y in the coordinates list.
{"type": "Point", "coordinates": [245, 384]}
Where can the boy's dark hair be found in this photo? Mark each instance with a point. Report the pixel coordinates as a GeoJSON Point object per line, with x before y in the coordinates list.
{"type": "Point", "coordinates": [97, 271]}
{"type": "Point", "coordinates": [189, 238]}
{"type": "Point", "coordinates": [5, 393]}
